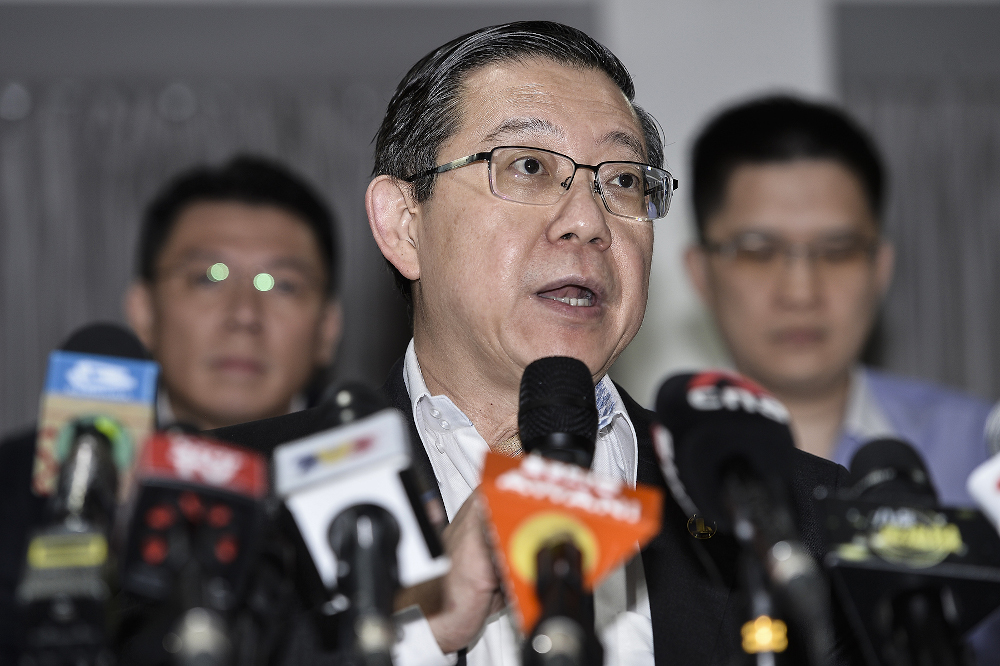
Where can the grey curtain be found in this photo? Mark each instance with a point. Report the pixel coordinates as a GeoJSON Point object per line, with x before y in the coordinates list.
{"type": "Point", "coordinates": [79, 159]}
{"type": "Point", "coordinates": [940, 135]}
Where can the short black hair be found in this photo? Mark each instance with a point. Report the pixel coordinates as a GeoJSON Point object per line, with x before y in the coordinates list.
{"type": "Point", "coordinates": [425, 110]}
{"type": "Point", "coordinates": [244, 179]}
{"type": "Point", "coordinates": [779, 129]}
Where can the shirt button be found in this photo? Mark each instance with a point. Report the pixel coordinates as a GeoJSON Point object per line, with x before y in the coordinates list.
{"type": "Point", "coordinates": [435, 413]}
{"type": "Point", "coordinates": [439, 445]}
{"type": "Point", "coordinates": [445, 425]}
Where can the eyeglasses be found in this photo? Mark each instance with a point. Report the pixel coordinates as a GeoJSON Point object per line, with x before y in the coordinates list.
{"type": "Point", "coordinates": [758, 252]}
{"type": "Point", "coordinates": [540, 177]}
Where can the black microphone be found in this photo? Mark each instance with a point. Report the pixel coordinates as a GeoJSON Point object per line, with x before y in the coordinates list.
{"type": "Point", "coordinates": [557, 418]}
{"type": "Point", "coordinates": [912, 576]}
{"type": "Point", "coordinates": [192, 531]}
{"type": "Point", "coordinates": [726, 452]}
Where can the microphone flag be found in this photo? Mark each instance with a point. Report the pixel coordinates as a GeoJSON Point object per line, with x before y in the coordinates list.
{"type": "Point", "coordinates": [532, 500]}
{"type": "Point", "coordinates": [119, 394]}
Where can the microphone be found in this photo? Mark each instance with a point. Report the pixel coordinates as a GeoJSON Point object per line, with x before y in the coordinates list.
{"type": "Point", "coordinates": [194, 521]}
{"type": "Point", "coordinates": [102, 370]}
{"type": "Point", "coordinates": [557, 418]}
{"type": "Point", "coordinates": [363, 517]}
{"type": "Point", "coordinates": [95, 385]}
{"type": "Point", "coordinates": [559, 528]}
{"type": "Point", "coordinates": [913, 576]}
{"type": "Point", "coordinates": [726, 452]}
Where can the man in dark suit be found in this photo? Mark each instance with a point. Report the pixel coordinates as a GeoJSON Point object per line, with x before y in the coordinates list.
{"type": "Point", "coordinates": [515, 192]}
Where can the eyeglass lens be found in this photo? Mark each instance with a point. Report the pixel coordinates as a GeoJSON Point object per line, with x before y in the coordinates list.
{"type": "Point", "coordinates": [535, 176]}
{"type": "Point", "coordinates": [760, 252]}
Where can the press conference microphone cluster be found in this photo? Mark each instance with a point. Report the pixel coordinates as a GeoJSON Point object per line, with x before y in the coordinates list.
{"type": "Point", "coordinates": [725, 449]}
{"type": "Point", "coordinates": [912, 576]}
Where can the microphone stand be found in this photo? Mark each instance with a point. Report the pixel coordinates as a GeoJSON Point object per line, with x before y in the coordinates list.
{"type": "Point", "coordinates": [564, 634]}
{"type": "Point", "coordinates": [561, 637]}
{"type": "Point", "coordinates": [364, 538]}
{"type": "Point", "coordinates": [65, 594]}
{"type": "Point", "coordinates": [770, 552]}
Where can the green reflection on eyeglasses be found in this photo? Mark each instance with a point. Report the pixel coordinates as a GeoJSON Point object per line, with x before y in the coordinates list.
{"type": "Point", "coordinates": [263, 282]}
{"type": "Point", "coordinates": [217, 272]}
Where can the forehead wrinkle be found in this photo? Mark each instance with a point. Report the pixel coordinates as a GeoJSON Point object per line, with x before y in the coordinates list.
{"type": "Point", "coordinates": [520, 126]}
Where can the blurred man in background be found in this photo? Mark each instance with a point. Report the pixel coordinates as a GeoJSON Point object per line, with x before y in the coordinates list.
{"type": "Point", "coordinates": [236, 295]}
{"type": "Point", "coordinates": [791, 261]}
{"type": "Point", "coordinates": [236, 299]}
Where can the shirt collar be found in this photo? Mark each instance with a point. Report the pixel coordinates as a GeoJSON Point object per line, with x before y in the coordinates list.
{"type": "Point", "coordinates": [865, 419]}
{"type": "Point", "coordinates": [609, 403]}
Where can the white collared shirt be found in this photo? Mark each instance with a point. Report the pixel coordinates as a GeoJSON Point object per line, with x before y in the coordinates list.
{"type": "Point", "coordinates": [457, 452]}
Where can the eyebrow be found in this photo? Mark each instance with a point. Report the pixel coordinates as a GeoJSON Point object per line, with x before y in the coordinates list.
{"type": "Point", "coordinates": [519, 126]}
{"type": "Point", "coordinates": [523, 126]}
{"type": "Point", "coordinates": [627, 140]}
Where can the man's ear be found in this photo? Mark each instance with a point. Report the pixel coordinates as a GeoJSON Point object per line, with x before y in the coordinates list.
{"type": "Point", "coordinates": [885, 261]}
{"type": "Point", "coordinates": [696, 264]}
{"type": "Point", "coordinates": [394, 218]}
{"type": "Point", "coordinates": [139, 312]}
{"type": "Point", "coordinates": [331, 326]}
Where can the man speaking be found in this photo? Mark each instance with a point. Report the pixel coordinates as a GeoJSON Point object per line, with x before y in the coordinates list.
{"type": "Point", "coordinates": [515, 193]}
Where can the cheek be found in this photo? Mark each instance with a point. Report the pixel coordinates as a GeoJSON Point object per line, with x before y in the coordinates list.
{"type": "Point", "coordinates": [293, 332]}
{"type": "Point", "coordinates": [742, 302]}
{"type": "Point", "coordinates": [853, 303]}
{"type": "Point", "coordinates": [181, 328]}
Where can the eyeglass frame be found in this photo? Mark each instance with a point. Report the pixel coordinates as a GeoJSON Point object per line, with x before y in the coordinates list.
{"type": "Point", "coordinates": [787, 250]}
{"type": "Point", "coordinates": [488, 158]}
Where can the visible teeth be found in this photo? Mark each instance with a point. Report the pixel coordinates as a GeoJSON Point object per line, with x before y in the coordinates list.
{"type": "Point", "coordinates": [575, 302]}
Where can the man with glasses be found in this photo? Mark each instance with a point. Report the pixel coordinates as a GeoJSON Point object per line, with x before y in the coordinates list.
{"type": "Point", "coordinates": [236, 295]}
{"type": "Point", "coordinates": [791, 261]}
{"type": "Point", "coordinates": [515, 191]}
{"type": "Point", "coordinates": [515, 194]}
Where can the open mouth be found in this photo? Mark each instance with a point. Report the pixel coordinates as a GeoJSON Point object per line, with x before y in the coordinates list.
{"type": "Point", "coordinates": [579, 297]}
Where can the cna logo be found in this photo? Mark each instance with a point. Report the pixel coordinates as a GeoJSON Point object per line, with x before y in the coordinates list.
{"type": "Point", "coordinates": [335, 454]}
{"type": "Point", "coordinates": [194, 461]}
{"type": "Point", "coordinates": [89, 376]}
{"type": "Point", "coordinates": [711, 391]}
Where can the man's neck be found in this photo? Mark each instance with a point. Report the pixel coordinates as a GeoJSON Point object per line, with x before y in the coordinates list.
{"type": "Point", "coordinates": [818, 415]}
{"type": "Point", "coordinates": [490, 404]}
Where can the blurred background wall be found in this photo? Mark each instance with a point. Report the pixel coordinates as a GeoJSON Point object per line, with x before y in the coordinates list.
{"type": "Point", "coordinates": [99, 103]}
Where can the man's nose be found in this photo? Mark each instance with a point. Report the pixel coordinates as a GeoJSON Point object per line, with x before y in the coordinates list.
{"type": "Point", "coordinates": [245, 305]}
{"type": "Point", "coordinates": [799, 279]}
{"type": "Point", "coordinates": [581, 213]}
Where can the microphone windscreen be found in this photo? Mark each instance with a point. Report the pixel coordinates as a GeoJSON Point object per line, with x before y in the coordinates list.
{"type": "Point", "coordinates": [722, 423]}
{"type": "Point", "coordinates": [107, 340]}
{"type": "Point", "coordinates": [887, 470]}
{"type": "Point", "coordinates": [557, 396]}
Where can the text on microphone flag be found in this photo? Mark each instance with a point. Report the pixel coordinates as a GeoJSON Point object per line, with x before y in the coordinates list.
{"type": "Point", "coordinates": [533, 500]}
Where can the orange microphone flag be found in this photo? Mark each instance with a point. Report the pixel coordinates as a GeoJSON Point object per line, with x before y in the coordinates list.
{"type": "Point", "coordinates": [532, 500]}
